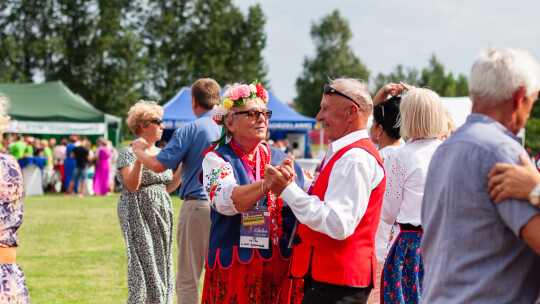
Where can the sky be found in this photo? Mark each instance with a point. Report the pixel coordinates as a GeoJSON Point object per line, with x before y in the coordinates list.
{"type": "Point", "coordinates": [388, 33]}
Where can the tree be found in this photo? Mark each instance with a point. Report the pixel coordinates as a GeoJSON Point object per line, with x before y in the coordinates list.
{"type": "Point", "coordinates": [334, 58]}
{"type": "Point", "coordinates": [88, 44]}
{"type": "Point", "coordinates": [24, 29]}
{"type": "Point", "coordinates": [432, 76]}
{"type": "Point", "coordinates": [204, 38]}
{"type": "Point", "coordinates": [412, 77]}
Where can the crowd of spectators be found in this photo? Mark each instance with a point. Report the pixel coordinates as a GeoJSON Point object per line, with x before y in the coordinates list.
{"type": "Point", "coordinates": [59, 158]}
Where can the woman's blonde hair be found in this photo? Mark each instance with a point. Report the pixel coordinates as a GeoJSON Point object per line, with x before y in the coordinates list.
{"type": "Point", "coordinates": [143, 112]}
{"type": "Point", "coordinates": [4, 117]}
{"type": "Point", "coordinates": [422, 114]}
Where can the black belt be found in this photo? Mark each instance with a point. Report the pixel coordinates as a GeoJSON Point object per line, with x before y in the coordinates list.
{"type": "Point", "coordinates": [192, 198]}
{"type": "Point", "coordinates": [410, 227]}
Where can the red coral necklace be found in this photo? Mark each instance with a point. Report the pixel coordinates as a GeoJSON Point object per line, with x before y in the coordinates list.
{"type": "Point", "coordinates": [275, 204]}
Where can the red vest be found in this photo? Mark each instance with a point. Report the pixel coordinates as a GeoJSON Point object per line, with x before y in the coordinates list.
{"type": "Point", "coordinates": [349, 262]}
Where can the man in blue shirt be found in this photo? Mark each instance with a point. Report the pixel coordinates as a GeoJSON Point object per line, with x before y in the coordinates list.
{"type": "Point", "coordinates": [475, 250]}
{"type": "Point", "coordinates": [185, 148]}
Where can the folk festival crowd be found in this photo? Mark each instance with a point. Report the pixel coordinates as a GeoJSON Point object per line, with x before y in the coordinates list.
{"type": "Point", "coordinates": [410, 210]}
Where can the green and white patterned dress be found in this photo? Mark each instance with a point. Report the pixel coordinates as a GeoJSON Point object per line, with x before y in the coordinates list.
{"type": "Point", "coordinates": [146, 219]}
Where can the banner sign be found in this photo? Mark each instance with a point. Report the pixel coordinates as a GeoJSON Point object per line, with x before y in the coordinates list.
{"type": "Point", "coordinates": [37, 127]}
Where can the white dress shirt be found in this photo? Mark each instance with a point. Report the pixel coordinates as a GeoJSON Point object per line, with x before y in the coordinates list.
{"type": "Point", "coordinates": [351, 181]}
{"type": "Point", "coordinates": [406, 172]}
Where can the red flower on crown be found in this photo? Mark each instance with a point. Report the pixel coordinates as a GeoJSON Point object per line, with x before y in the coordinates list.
{"type": "Point", "coordinates": [260, 90]}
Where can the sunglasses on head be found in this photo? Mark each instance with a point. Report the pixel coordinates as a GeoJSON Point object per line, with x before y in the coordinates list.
{"type": "Point", "coordinates": [329, 90]}
{"type": "Point", "coordinates": [157, 122]}
{"type": "Point", "coordinates": [254, 114]}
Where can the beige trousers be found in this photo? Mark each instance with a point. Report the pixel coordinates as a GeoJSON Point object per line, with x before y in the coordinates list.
{"type": "Point", "coordinates": [192, 239]}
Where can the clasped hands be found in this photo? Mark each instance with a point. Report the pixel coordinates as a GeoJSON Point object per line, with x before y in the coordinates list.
{"type": "Point", "coordinates": [277, 178]}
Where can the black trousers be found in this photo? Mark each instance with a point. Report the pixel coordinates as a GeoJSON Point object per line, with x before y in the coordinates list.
{"type": "Point", "coordinates": [324, 293]}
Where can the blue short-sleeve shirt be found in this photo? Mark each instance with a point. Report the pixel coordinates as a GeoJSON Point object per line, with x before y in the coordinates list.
{"type": "Point", "coordinates": [186, 146]}
{"type": "Point", "coordinates": [471, 246]}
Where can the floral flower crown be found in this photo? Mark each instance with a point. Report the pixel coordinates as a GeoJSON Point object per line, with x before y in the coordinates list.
{"type": "Point", "coordinates": [238, 95]}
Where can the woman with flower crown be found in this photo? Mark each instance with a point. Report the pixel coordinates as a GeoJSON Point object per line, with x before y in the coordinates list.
{"type": "Point", "coordinates": [248, 256]}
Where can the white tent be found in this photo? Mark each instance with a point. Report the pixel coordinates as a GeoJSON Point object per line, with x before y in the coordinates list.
{"type": "Point", "coordinates": [460, 108]}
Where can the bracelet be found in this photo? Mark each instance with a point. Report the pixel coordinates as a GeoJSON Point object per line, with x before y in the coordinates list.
{"type": "Point", "coordinates": [262, 187]}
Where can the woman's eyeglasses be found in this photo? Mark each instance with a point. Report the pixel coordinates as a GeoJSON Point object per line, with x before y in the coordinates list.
{"type": "Point", "coordinates": [254, 114]}
{"type": "Point", "coordinates": [329, 90]}
{"type": "Point", "coordinates": [157, 122]}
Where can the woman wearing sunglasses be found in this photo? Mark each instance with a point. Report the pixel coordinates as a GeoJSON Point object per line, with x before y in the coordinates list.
{"type": "Point", "coordinates": [145, 212]}
{"type": "Point", "coordinates": [248, 256]}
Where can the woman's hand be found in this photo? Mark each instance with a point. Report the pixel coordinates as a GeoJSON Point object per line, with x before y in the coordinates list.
{"type": "Point", "coordinates": [287, 168]}
{"type": "Point", "coordinates": [512, 181]}
{"type": "Point", "coordinates": [407, 87]}
{"type": "Point", "coordinates": [274, 179]}
{"type": "Point", "coordinates": [389, 89]}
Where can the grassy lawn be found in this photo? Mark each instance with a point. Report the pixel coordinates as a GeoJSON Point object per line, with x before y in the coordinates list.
{"type": "Point", "coordinates": [72, 250]}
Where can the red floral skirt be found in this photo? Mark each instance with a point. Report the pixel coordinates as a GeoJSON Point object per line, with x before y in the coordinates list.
{"type": "Point", "coordinates": [256, 282]}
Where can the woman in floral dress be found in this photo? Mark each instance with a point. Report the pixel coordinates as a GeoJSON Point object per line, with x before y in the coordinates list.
{"type": "Point", "coordinates": [248, 256]}
{"type": "Point", "coordinates": [12, 282]}
{"type": "Point", "coordinates": [145, 212]}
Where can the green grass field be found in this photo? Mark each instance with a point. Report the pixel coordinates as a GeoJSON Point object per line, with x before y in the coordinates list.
{"type": "Point", "coordinates": [72, 250]}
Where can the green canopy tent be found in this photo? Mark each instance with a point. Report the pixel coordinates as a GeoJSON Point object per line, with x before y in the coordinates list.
{"type": "Point", "coordinates": [51, 108]}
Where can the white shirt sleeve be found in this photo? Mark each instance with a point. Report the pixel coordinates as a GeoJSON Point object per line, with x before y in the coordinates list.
{"type": "Point", "coordinates": [395, 176]}
{"type": "Point", "coordinates": [218, 183]}
{"type": "Point", "coordinates": [345, 203]}
{"type": "Point", "coordinates": [308, 180]}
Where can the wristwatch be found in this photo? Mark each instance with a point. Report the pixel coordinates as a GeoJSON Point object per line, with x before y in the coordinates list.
{"type": "Point", "coordinates": [534, 196]}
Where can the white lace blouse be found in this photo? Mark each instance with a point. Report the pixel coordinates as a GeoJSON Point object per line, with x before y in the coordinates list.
{"type": "Point", "coordinates": [406, 172]}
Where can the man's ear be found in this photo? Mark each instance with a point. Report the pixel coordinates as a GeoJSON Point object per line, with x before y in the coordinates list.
{"type": "Point", "coordinates": [519, 95]}
{"type": "Point", "coordinates": [354, 112]}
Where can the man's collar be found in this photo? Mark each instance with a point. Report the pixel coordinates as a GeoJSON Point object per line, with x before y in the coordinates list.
{"type": "Point", "coordinates": [481, 118]}
{"type": "Point", "coordinates": [347, 140]}
{"type": "Point", "coordinates": [204, 114]}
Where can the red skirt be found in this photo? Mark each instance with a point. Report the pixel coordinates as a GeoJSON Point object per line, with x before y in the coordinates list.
{"type": "Point", "coordinates": [258, 281]}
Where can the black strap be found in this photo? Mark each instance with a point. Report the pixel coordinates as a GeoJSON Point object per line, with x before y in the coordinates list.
{"type": "Point", "coordinates": [410, 227]}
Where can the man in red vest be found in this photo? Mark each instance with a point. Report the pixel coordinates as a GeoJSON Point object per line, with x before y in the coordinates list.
{"type": "Point", "coordinates": [334, 245]}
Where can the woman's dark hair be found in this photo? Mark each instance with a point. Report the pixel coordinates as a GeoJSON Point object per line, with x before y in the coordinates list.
{"type": "Point", "coordinates": [387, 114]}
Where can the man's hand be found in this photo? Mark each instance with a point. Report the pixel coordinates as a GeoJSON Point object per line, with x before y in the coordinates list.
{"type": "Point", "coordinates": [512, 181]}
{"type": "Point", "coordinates": [275, 180]}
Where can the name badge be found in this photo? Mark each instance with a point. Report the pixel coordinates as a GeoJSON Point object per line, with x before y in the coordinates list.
{"type": "Point", "coordinates": [255, 229]}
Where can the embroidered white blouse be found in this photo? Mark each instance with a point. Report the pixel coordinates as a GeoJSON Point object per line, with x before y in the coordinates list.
{"type": "Point", "coordinates": [382, 237]}
{"type": "Point", "coordinates": [406, 172]}
{"type": "Point", "coordinates": [219, 182]}
{"type": "Point", "coordinates": [351, 181]}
